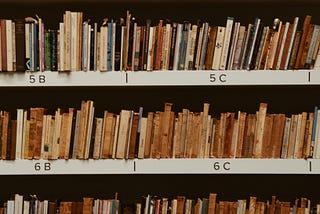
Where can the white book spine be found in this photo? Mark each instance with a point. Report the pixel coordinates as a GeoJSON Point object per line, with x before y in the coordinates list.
{"type": "Point", "coordinates": [226, 43]}
{"type": "Point", "coordinates": [9, 45]}
{"type": "Point", "coordinates": [149, 58]}
{"type": "Point", "coordinates": [218, 48]}
{"type": "Point", "coordinates": [177, 47]}
{"type": "Point", "coordinates": [142, 139]}
{"type": "Point", "coordinates": [19, 133]}
{"type": "Point", "coordinates": [286, 28]}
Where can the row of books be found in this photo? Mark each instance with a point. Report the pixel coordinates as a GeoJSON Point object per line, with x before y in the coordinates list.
{"type": "Point", "coordinates": [80, 134]}
{"type": "Point", "coordinates": [125, 44]}
{"type": "Point", "coordinates": [158, 205]}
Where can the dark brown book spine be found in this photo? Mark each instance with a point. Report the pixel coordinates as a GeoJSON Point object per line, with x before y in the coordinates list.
{"type": "Point", "coordinates": [210, 47]}
{"type": "Point", "coordinates": [133, 135]}
{"type": "Point", "coordinates": [3, 45]}
{"type": "Point", "coordinates": [305, 30]}
{"type": "Point", "coordinates": [20, 44]}
{"type": "Point", "coordinates": [295, 48]}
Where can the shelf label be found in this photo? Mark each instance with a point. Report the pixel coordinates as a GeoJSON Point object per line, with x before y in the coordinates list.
{"type": "Point", "coordinates": [222, 166]}
{"type": "Point", "coordinates": [42, 167]}
{"type": "Point", "coordinates": [34, 79]}
{"type": "Point", "coordinates": [218, 77]}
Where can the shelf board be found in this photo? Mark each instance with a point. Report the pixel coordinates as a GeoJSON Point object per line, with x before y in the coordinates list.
{"type": "Point", "coordinates": [159, 78]}
{"type": "Point", "coordinates": [160, 166]}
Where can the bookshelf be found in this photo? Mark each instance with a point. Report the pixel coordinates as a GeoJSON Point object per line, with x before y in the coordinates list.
{"type": "Point", "coordinates": [290, 92]}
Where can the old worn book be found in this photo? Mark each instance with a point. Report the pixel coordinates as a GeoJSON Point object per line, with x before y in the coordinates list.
{"type": "Point", "coordinates": [226, 43]}
{"type": "Point", "coordinates": [155, 143]}
{"type": "Point", "coordinates": [241, 130]}
{"type": "Point", "coordinates": [212, 203]}
{"type": "Point", "coordinates": [280, 47]}
{"type": "Point", "coordinates": [285, 140]}
{"type": "Point", "coordinates": [308, 136]}
{"type": "Point", "coordinates": [265, 49]}
{"type": "Point", "coordinates": [228, 134]}
{"type": "Point", "coordinates": [176, 147]}
{"type": "Point", "coordinates": [277, 27]}
{"type": "Point", "coordinates": [210, 47]}
{"type": "Point", "coordinates": [189, 135]}
{"type": "Point", "coordinates": [133, 135]}
{"type": "Point", "coordinates": [97, 133]}
{"type": "Point", "coordinates": [233, 41]}
{"type": "Point", "coordinates": [267, 135]}
{"type": "Point", "coordinates": [87, 205]}
{"type": "Point", "coordinates": [164, 131]}
{"type": "Point", "coordinates": [295, 48]}
{"type": "Point", "coordinates": [239, 44]}
{"type": "Point", "coordinates": [292, 135]}
{"type": "Point", "coordinates": [301, 48]}
{"type": "Point", "coordinates": [203, 130]}
{"type": "Point", "coordinates": [261, 115]}
{"type": "Point", "coordinates": [123, 135]}
{"type": "Point", "coordinates": [218, 48]}
{"type": "Point", "coordinates": [4, 134]}
{"type": "Point", "coordinates": [301, 127]}
{"type": "Point", "coordinates": [149, 135]}
{"type": "Point", "coordinates": [278, 127]}
{"type": "Point", "coordinates": [287, 47]}
{"type": "Point", "coordinates": [249, 136]}
{"type": "Point", "coordinates": [195, 143]}
{"type": "Point", "coordinates": [306, 47]}
{"type": "Point", "coordinates": [108, 135]}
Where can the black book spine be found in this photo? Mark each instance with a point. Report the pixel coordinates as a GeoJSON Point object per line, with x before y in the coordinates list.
{"type": "Point", "coordinates": [173, 44]}
{"type": "Point", "coordinates": [54, 50]}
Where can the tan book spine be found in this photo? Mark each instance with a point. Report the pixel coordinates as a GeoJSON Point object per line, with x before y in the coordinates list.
{"type": "Point", "coordinates": [252, 204]}
{"type": "Point", "coordinates": [87, 205]}
{"type": "Point", "coordinates": [241, 126]}
{"type": "Point", "coordinates": [63, 135]}
{"type": "Point", "coordinates": [185, 115]}
{"type": "Point", "coordinates": [180, 204]}
{"type": "Point", "coordinates": [249, 136]}
{"type": "Point", "coordinates": [203, 130]}
{"type": "Point", "coordinates": [257, 147]}
{"type": "Point", "coordinates": [81, 133]}
{"type": "Point", "coordinates": [216, 137]}
{"type": "Point", "coordinates": [116, 136]}
{"type": "Point", "coordinates": [234, 139]}
{"type": "Point", "coordinates": [4, 135]}
{"type": "Point", "coordinates": [292, 135]}
{"type": "Point", "coordinates": [222, 133]}
{"type": "Point", "coordinates": [97, 137]}
{"type": "Point", "coordinates": [107, 135]}
{"type": "Point", "coordinates": [123, 134]}
{"type": "Point", "coordinates": [189, 135]}
{"type": "Point", "coordinates": [218, 48]}
{"type": "Point", "coordinates": [142, 137]}
{"type": "Point", "coordinates": [307, 144]}
{"type": "Point", "coordinates": [208, 140]}
{"type": "Point", "coordinates": [212, 203]}
{"type": "Point", "coordinates": [301, 130]}
{"type": "Point", "coordinates": [170, 134]}
{"type": "Point", "coordinates": [278, 27]}
{"type": "Point", "coordinates": [149, 135]}
{"type": "Point", "coordinates": [56, 134]}
{"type": "Point", "coordinates": [165, 153]}
{"type": "Point", "coordinates": [26, 142]}
{"type": "Point", "coordinates": [228, 134]}
{"type": "Point", "coordinates": [226, 43]}
{"type": "Point", "coordinates": [267, 142]}
{"type": "Point", "coordinates": [177, 137]}
{"type": "Point", "coordinates": [195, 140]}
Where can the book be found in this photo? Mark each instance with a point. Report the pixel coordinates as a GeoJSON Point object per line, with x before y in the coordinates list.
{"type": "Point", "coordinates": [218, 48]}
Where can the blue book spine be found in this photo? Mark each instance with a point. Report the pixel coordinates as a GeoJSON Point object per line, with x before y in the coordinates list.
{"type": "Point", "coordinates": [314, 129]}
{"type": "Point", "coordinates": [109, 50]}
